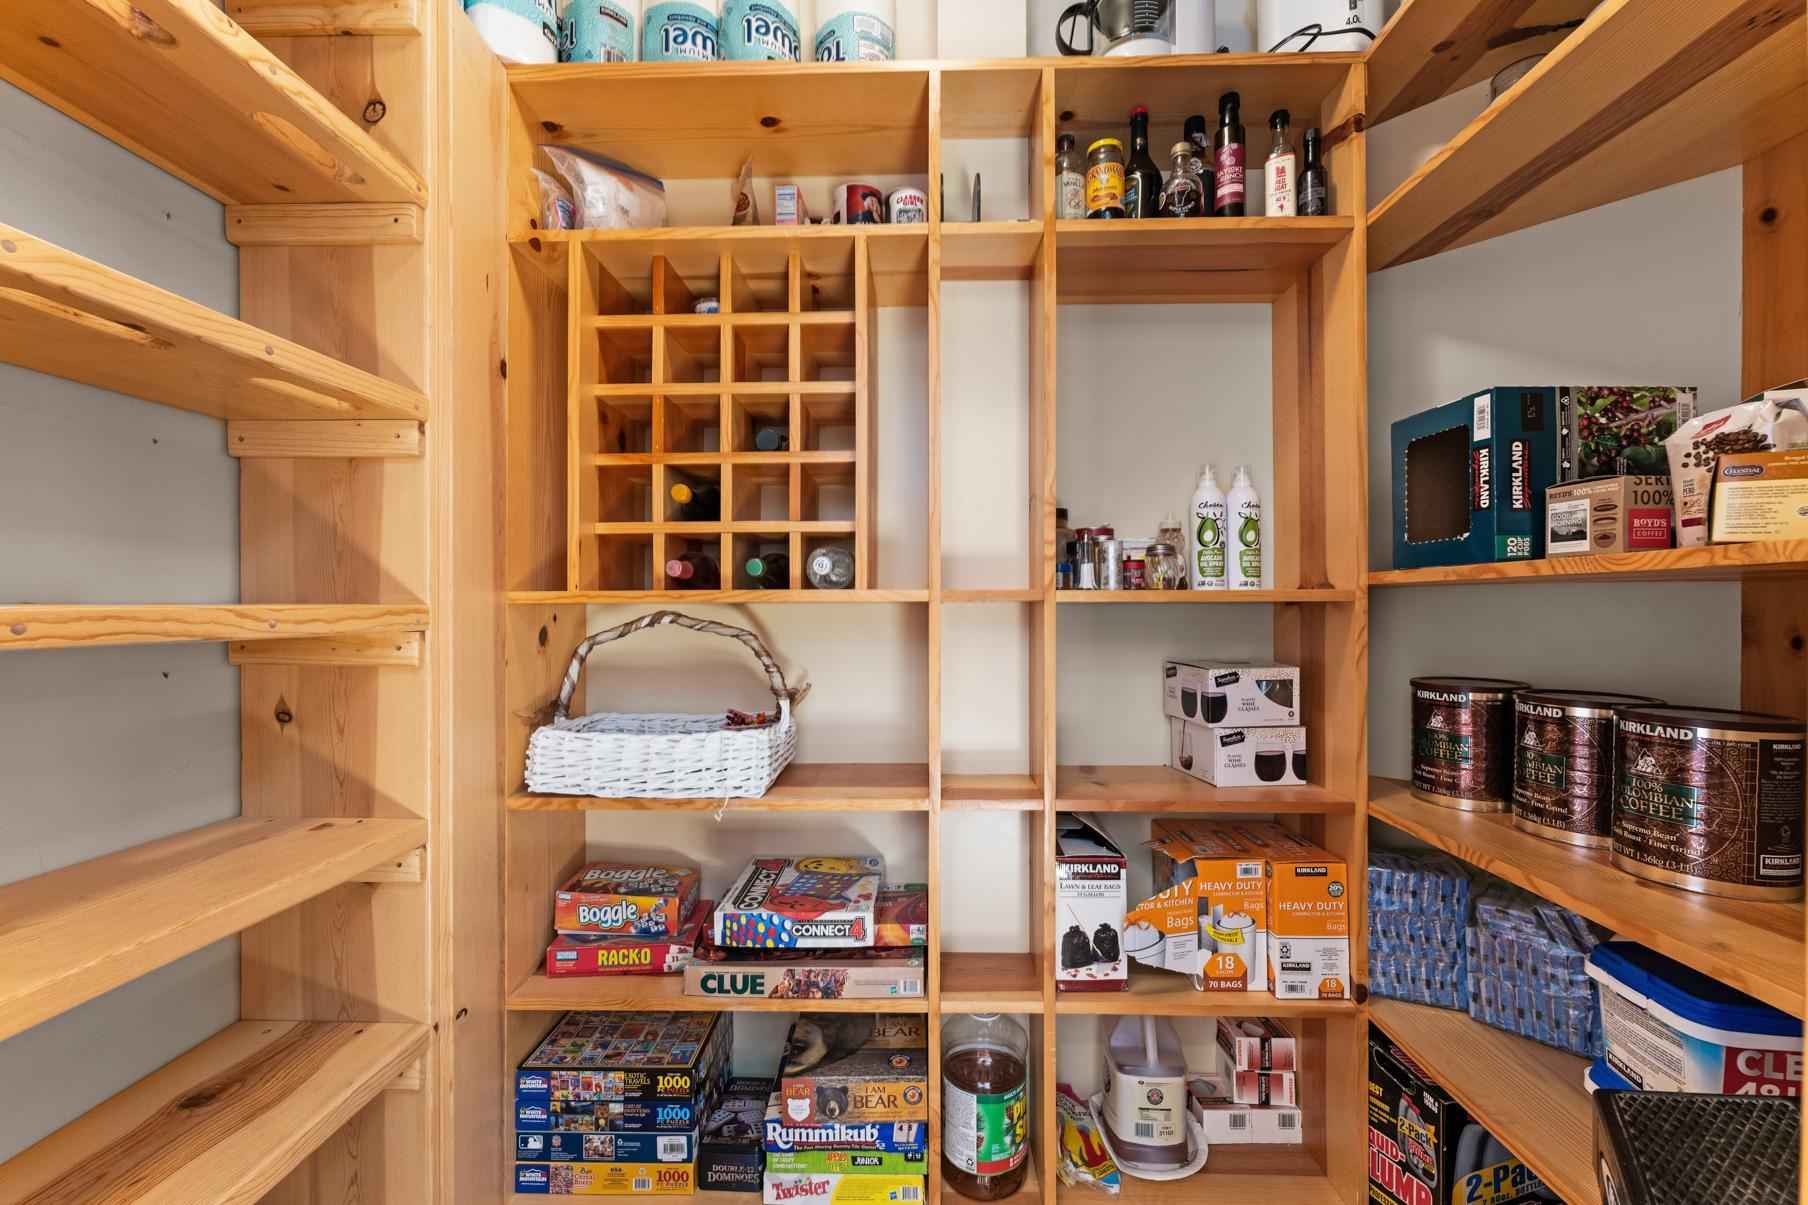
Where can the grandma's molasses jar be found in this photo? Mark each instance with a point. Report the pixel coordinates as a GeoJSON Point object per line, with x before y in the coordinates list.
{"type": "Point", "coordinates": [985, 1108]}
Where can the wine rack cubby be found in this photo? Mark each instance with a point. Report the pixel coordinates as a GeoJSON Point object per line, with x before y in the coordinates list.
{"type": "Point", "coordinates": [765, 405]}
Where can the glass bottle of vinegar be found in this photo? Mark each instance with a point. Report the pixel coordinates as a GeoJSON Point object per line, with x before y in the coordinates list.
{"type": "Point", "coordinates": [985, 1113]}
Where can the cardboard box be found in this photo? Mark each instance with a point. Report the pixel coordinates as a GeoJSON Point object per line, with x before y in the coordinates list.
{"type": "Point", "coordinates": [579, 954]}
{"type": "Point", "coordinates": [680, 1057]}
{"type": "Point", "coordinates": [805, 974]}
{"type": "Point", "coordinates": [1759, 496]}
{"type": "Point", "coordinates": [541, 1146]}
{"type": "Point", "coordinates": [1608, 514]}
{"type": "Point", "coordinates": [1618, 430]}
{"type": "Point", "coordinates": [1276, 1125]}
{"type": "Point", "coordinates": [901, 917]}
{"type": "Point", "coordinates": [1258, 1044]}
{"type": "Point", "coordinates": [782, 1135]}
{"type": "Point", "coordinates": [617, 899]}
{"type": "Point", "coordinates": [1225, 1122]}
{"type": "Point", "coordinates": [1416, 1130]}
{"type": "Point", "coordinates": [1211, 919]}
{"type": "Point", "coordinates": [1264, 1088]}
{"type": "Point", "coordinates": [1238, 757]}
{"type": "Point", "coordinates": [1231, 694]}
{"type": "Point", "coordinates": [1090, 894]}
{"type": "Point", "coordinates": [606, 1179]}
{"type": "Point", "coordinates": [788, 206]}
{"type": "Point", "coordinates": [842, 1190]}
{"type": "Point", "coordinates": [808, 903]}
{"type": "Point", "coordinates": [846, 1163]}
{"type": "Point", "coordinates": [1469, 478]}
{"type": "Point", "coordinates": [1308, 916]}
{"type": "Point", "coordinates": [854, 1067]}
{"type": "Point", "coordinates": [731, 1158]}
{"type": "Point", "coordinates": [613, 1116]}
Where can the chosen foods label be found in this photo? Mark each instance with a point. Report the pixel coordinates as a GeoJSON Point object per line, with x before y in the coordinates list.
{"type": "Point", "coordinates": [984, 1133]}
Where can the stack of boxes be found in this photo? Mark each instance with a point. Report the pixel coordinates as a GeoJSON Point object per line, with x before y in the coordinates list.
{"type": "Point", "coordinates": [1418, 923]}
{"type": "Point", "coordinates": [1235, 723]}
{"type": "Point", "coordinates": [1252, 1096]}
{"type": "Point", "coordinates": [848, 1123]}
{"type": "Point", "coordinates": [613, 1103]}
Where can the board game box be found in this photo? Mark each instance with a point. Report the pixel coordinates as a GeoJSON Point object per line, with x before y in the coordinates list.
{"type": "Point", "coordinates": [899, 1137]}
{"type": "Point", "coordinates": [567, 1147]}
{"type": "Point", "coordinates": [841, 1163]}
{"type": "Point", "coordinates": [611, 1116]}
{"type": "Point", "coordinates": [730, 1158]}
{"type": "Point", "coordinates": [855, 1067]}
{"type": "Point", "coordinates": [606, 1179]}
{"type": "Point", "coordinates": [842, 1190]}
{"type": "Point", "coordinates": [622, 900]}
{"type": "Point", "coordinates": [807, 903]}
{"type": "Point", "coordinates": [574, 954]}
{"type": "Point", "coordinates": [901, 917]}
{"type": "Point", "coordinates": [627, 1056]}
{"type": "Point", "coordinates": [870, 974]}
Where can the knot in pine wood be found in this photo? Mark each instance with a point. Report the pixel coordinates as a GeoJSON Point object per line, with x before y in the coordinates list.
{"type": "Point", "coordinates": [375, 112]}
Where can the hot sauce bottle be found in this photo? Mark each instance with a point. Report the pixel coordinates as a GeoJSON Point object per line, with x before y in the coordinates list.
{"type": "Point", "coordinates": [1280, 173]}
{"type": "Point", "coordinates": [1228, 152]}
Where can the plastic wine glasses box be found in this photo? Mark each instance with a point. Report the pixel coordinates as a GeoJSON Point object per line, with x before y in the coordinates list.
{"type": "Point", "coordinates": [1231, 694]}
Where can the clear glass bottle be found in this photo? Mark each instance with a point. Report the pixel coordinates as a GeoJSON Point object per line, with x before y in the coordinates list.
{"type": "Point", "coordinates": [830, 567]}
{"type": "Point", "coordinates": [985, 1106]}
{"type": "Point", "coordinates": [1070, 179]}
{"type": "Point", "coordinates": [1184, 194]}
{"type": "Point", "coordinates": [1280, 174]}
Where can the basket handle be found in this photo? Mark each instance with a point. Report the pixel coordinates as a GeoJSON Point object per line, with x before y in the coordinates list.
{"type": "Point", "coordinates": [784, 694]}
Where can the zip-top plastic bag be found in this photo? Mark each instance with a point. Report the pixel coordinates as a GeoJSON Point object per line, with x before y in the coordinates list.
{"type": "Point", "coordinates": [608, 195]}
{"type": "Point", "coordinates": [1776, 421]}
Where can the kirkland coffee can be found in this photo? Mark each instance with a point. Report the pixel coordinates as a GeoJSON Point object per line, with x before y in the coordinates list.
{"type": "Point", "coordinates": [1710, 801]}
{"type": "Point", "coordinates": [1462, 742]}
{"type": "Point", "coordinates": [1563, 744]}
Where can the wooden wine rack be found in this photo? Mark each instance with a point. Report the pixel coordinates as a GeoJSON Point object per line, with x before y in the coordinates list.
{"type": "Point", "coordinates": [661, 395]}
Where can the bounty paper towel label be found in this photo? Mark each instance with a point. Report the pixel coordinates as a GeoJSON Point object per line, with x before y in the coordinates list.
{"type": "Point", "coordinates": [678, 31]}
{"type": "Point", "coordinates": [853, 32]}
{"type": "Point", "coordinates": [760, 30]}
{"type": "Point", "coordinates": [519, 31]}
{"type": "Point", "coordinates": [599, 31]}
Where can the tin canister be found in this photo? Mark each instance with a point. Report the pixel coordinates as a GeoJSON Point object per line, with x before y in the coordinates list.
{"type": "Point", "coordinates": [859, 205]}
{"type": "Point", "coordinates": [1111, 565]}
{"type": "Point", "coordinates": [1462, 742]}
{"type": "Point", "coordinates": [1711, 801]}
{"type": "Point", "coordinates": [908, 206]}
{"type": "Point", "coordinates": [1563, 746]}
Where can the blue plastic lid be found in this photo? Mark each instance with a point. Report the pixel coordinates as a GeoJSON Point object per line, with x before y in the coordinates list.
{"type": "Point", "coordinates": [1603, 1078]}
{"type": "Point", "coordinates": [1689, 993]}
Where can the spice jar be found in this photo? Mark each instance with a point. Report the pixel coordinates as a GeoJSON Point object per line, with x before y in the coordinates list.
{"type": "Point", "coordinates": [1164, 568]}
{"type": "Point", "coordinates": [1086, 559]}
{"type": "Point", "coordinates": [1105, 179]}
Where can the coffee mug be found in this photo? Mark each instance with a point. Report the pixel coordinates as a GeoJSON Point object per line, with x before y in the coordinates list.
{"type": "Point", "coordinates": [859, 205]}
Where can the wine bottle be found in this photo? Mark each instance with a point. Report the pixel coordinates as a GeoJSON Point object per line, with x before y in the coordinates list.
{"type": "Point", "coordinates": [771, 439]}
{"type": "Point", "coordinates": [770, 572]}
{"type": "Point", "coordinates": [830, 568]}
{"type": "Point", "coordinates": [697, 503]}
{"type": "Point", "coordinates": [693, 571]}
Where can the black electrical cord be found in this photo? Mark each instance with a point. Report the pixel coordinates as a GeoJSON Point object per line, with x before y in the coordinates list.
{"type": "Point", "coordinates": [1316, 30]}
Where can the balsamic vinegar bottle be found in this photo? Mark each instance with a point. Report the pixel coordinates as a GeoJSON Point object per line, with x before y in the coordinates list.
{"type": "Point", "coordinates": [1314, 190]}
{"type": "Point", "coordinates": [1142, 179]}
{"type": "Point", "coordinates": [1228, 152]}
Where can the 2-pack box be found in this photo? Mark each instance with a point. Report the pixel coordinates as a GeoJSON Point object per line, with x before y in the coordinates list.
{"type": "Point", "coordinates": [1231, 694]}
{"type": "Point", "coordinates": [1469, 478]}
{"type": "Point", "coordinates": [1238, 757]}
{"type": "Point", "coordinates": [1759, 496]}
{"type": "Point", "coordinates": [616, 899]}
{"type": "Point", "coordinates": [854, 1067]}
{"type": "Point", "coordinates": [1423, 1146]}
{"type": "Point", "coordinates": [1608, 514]}
{"type": "Point", "coordinates": [1090, 894]}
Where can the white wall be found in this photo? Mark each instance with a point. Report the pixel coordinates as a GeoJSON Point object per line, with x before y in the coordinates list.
{"type": "Point", "coordinates": [111, 499]}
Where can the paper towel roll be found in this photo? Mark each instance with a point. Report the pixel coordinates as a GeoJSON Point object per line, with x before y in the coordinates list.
{"type": "Point", "coordinates": [519, 31]}
{"type": "Point", "coordinates": [761, 30]}
{"type": "Point", "coordinates": [856, 31]}
{"type": "Point", "coordinates": [600, 31]}
{"type": "Point", "coordinates": [674, 31]}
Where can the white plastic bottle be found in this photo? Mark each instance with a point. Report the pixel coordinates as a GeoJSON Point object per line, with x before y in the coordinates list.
{"type": "Point", "coordinates": [1243, 511]}
{"type": "Point", "coordinates": [1206, 566]}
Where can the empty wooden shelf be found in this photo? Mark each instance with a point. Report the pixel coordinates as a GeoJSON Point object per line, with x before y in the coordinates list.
{"type": "Point", "coordinates": [53, 626]}
{"type": "Point", "coordinates": [71, 934]}
{"type": "Point", "coordinates": [1431, 48]}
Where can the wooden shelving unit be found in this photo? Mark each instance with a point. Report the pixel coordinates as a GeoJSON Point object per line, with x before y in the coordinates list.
{"type": "Point", "coordinates": [364, 579]}
{"type": "Point", "coordinates": [1709, 563]}
{"type": "Point", "coordinates": [1532, 1097]}
{"type": "Point", "coordinates": [1431, 48]}
{"type": "Point", "coordinates": [629, 293]}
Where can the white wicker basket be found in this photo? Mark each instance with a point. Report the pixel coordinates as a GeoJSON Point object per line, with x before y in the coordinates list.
{"type": "Point", "coordinates": [617, 755]}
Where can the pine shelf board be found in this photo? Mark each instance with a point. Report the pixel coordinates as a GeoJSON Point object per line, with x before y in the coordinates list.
{"type": "Point", "coordinates": [1009, 594]}
{"type": "Point", "coordinates": [1530, 1096]}
{"type": "Point", "coordinates": [1188, 259]}
{"type": "Point", "coordinates": [1646, 93]}
{"type": "Point", "coordinates": [990, 250]}
{"type": "Point", "coordinates": [990, 793]}
{"type": "Point", "coordinates": [989, 983]}
{"type": "Point", "coordinates": [49, 626]}
{"type": "Point", "coordinates": [609, 598]}
{"type": "Point", "coordinates": [74, 318]}
{"type": "Point", "coordinates": [1165, 789]}
{"type": "Point", "coordinates": [1710, 563]}
{"type": "Point", "coordinates": [1204, 597]}
{"type": "Point", "coordinates": [1432, 48]}
{"type": "Point", "coordinates": [803, 787]}
{"type": "Point", "coordinates": [1159, 993]}
{"type": "Point", "coordinates": [1756, 947]}
{"type": "Point", "coordinates": [659, 993]}
{"type": "Point", "coordinates": [224, 1122]}
{"type": "Point", "coordinates": [1258, 1175]}
{"type": "Point", "coordinates": [179, 83]}
{"type": "Point", "coordinates": [71, 934]}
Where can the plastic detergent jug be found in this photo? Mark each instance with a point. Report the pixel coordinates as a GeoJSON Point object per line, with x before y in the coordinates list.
{"type": "Point", "coordinates": [1145, 1092]}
